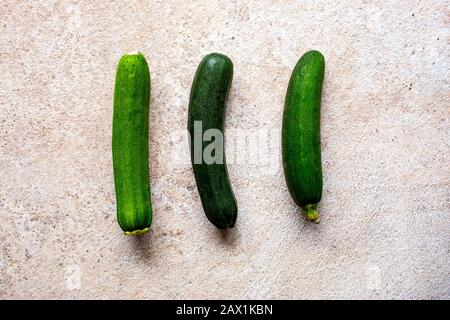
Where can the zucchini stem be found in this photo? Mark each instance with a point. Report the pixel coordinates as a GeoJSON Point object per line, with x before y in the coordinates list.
{"type": "Point", "coordinates": [311, 213]}
{"type": "Point", "coordinates": [136, 232]}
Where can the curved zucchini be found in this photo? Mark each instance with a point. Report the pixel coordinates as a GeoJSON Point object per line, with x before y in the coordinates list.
{"type": "Point", "coordinates": [207, 102]}
{"type": "Point", "coordinates": [301, 133]}
{"type": "Point", "coordinates": [130, 144]}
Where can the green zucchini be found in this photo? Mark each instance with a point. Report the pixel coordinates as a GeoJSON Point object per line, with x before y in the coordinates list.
{"type": "Point", "coordinates": [301, 133]}
{"type": "Point", "coordinates": [207, 102]}
{"type": "Point", "coordinates": [130, 144]}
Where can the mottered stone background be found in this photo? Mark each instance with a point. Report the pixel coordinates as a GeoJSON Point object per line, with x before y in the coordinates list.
{"type": "Point", "coordinates": [385, 230]}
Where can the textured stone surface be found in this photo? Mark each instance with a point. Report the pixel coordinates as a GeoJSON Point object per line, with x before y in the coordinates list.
{"type": "Point", "coordinates": [385, 230]}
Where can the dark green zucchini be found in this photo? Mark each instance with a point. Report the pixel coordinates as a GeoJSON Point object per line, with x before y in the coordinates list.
{"type": "Point", "coordinates": [130, 144]}
{"type": "Point", "coordinates": [207, 103]}
{"type": "Point", "coordinates": [301, 133]}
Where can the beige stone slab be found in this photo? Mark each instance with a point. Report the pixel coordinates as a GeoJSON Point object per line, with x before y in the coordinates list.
{"type": "Point", "coordinates": [385, 230]}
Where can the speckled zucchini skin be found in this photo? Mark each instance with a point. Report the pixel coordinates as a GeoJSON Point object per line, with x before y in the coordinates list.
{"type": "Point", "coordinates": [301, 133]}
{"type": "Point", "coordinates": [207, 103]}
{"type": "Point", "coordinates": [130, 144]}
